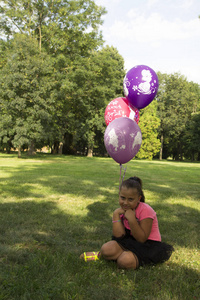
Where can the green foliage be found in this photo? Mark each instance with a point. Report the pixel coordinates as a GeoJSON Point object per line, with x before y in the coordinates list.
{"type": "Point", "coordinates": [56, 79]}
{"type": "Point", "coordinates": [25, 93]}
{"type": "Point", "coordinates": [192, 147]}
{"type": "Point", "coordinates": [96, 81]}
{"type": "Point", "coordinates": [149, 124]}
{"type": "Point", "coordinates": [59, 26]}
{"type": "Point", "coordinates": [68, 31]}
{"type": "Point", "coordinates": [177, 100]}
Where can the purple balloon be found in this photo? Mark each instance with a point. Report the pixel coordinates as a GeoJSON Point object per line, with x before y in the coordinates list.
{"type": "Point", "coordinates": [122, 139]}
{"type": "Point", "coordinates": [140, 86]}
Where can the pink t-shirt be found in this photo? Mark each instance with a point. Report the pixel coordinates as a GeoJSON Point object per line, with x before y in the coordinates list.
{"type": "Point", "coordinates": [144, 211]}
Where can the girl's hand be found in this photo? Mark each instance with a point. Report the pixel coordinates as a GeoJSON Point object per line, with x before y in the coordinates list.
{"type": "Point", "coordinates": [129, 214]}
{"type": "Point", "coordinates": [119, 211]}
{"type": "Point", "coordinates": [140, 230]}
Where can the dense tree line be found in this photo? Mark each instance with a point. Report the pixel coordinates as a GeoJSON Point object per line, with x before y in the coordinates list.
{"type": "Point", "coordinates": [178, 108]}
{"type": "Point", "coordinates": [57, 77]}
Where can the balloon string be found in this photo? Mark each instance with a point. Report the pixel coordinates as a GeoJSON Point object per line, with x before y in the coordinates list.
{"type": "Point", "coordinates": [121, 179]}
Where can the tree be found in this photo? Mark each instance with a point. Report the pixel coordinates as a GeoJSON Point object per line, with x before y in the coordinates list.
{"type": "Point", "coordinates": [149, 123]}
{"type": "Point", "coordinates": [69, 27]}
{"type": "Point", "coordinates": [25, 95]}
{"type": "Point", "coordinates": [192, 138]}
{"type": "Point", "coordinates": [96, 81]}
{"type": "Point", "coordinates": [68, 31]}
{"type": "Point", "coordinates": [176, 102]}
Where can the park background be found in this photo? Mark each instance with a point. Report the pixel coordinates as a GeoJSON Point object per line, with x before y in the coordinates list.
{"type": "Point", "coordinates": [56, 78]}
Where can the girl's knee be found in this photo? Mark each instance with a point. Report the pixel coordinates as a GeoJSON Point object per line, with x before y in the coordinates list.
{"type": "Point", "coordinates": [111, 250]}
{"type": "Point", "coordinates": [108, 248]}
{"type": "Point", "coordinates": [127, 260]}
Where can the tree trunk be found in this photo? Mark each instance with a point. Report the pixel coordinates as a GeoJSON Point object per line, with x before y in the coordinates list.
{"type": "Point", "coordinates": [40, 33]}
{"type": "Point", "coordinates": [31, 150]}
{"type": "Point", "coordinates": [8, 149]}
{"type": "Point", "coordinates": [161, 147]}
{"type": "Point", "coordinates": [198, 157]}
{"type": "Point", "coordinates": [90, 152]}
{"type": "Point", "coordinates": [19, 152]}
{"type": "Point", "coordinates": [55, 147]}
{"type": "Point", "coordinates": [60, 149]}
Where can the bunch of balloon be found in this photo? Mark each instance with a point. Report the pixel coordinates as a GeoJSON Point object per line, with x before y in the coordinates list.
{"type": "Point", "coordinates": [123, 137]}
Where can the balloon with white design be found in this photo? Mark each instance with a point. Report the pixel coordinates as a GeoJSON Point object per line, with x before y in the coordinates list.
{"type": "Point", "coordinates": [122, 139]}
{"type": "Point", "coordinates": [119, 107]}
{"type": "Point", "coordinates": [140, 86]}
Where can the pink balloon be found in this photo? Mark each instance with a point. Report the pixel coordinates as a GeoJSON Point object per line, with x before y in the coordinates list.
{"type": "Point", "coordinates": [122, 139]}
{"type": "Point", "coordinates": [134, 112]}
{"type": "Point", "coordinates": [118, 108]}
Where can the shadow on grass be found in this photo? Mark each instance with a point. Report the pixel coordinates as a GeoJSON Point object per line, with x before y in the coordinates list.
{"type": "Point", "coordinates": [39, 252]}
{"type": "Point", "coordinates": [39, 255]}
{"type": "Point", "coordinates": [167, 281]}
{"type": "Point", "coordinates": [38, 225]}
{"type": "Point", "coordinates": [178, 224]}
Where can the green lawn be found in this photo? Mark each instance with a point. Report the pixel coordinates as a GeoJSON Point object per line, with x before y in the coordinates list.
{"type": "Point", "coordinates": [52, 208]}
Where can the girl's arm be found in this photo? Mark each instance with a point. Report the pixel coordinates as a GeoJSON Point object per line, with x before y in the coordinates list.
{"type": "Point", "coordinates": [118, 226]}
{"type": "Point", "coordinates": [139, 231]}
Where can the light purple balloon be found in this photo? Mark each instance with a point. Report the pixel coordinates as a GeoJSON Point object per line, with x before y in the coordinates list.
{"type": "Point", "coordinates": [140, 86]}
{"type": "Point", "coordinates": [122, 139]}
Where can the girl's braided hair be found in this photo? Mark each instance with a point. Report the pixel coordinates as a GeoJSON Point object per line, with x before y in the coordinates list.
{"type": "Point", "coordinates": [134, 182]}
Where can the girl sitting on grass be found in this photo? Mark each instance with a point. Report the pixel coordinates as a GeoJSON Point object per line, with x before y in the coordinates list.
{"type": "Point", "coordinates": [136, 237]}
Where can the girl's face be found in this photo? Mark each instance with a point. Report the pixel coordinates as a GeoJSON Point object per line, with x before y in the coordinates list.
{"type": "Point", "coordinates": [129, 198]}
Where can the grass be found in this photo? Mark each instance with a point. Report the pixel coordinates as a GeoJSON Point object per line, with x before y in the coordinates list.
{"type": "Point", "coordinates": [52, 208]}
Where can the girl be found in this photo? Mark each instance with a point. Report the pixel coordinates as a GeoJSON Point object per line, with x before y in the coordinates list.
{"type": "Point", "coordinates": [136, 237]}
